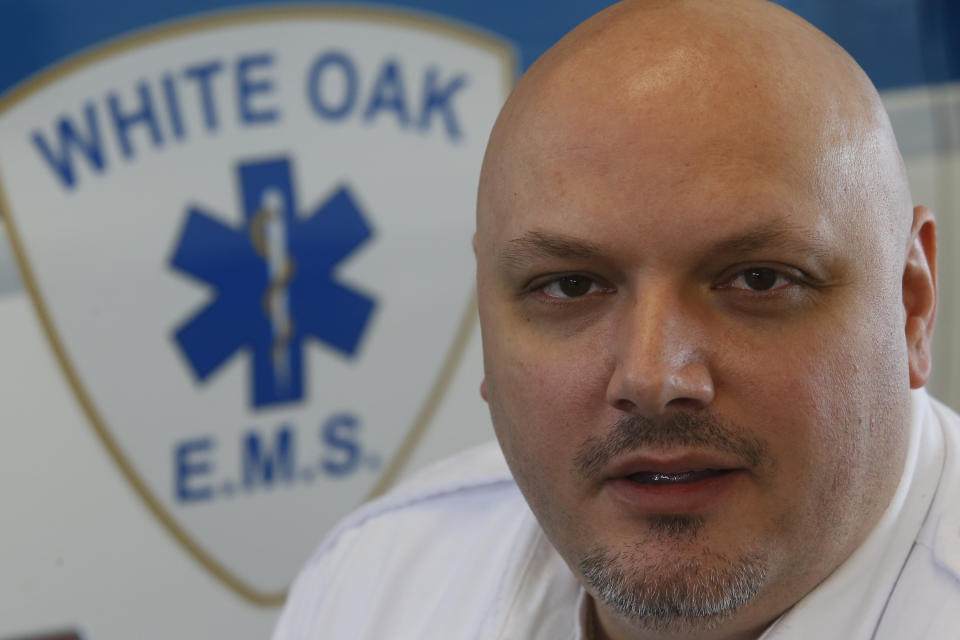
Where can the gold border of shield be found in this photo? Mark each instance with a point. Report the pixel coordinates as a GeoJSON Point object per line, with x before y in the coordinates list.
{"type": "Point", "coordinates": [398, 17]}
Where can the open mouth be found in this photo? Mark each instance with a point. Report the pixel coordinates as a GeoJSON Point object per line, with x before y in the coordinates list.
{"type": "Point", "coordinates": [675, 487]}
{"type": "Point", "coordinates": [682, 477]}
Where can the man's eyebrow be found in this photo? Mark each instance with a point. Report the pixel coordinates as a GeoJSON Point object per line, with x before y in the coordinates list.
{"type": "Point", "coordinates": [773, 236]}
{"type": "Point", "coordinates": [538, 244]}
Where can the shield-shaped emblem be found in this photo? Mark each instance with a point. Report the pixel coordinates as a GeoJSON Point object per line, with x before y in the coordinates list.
{"type": "Point", "coordinates": [247, 236]}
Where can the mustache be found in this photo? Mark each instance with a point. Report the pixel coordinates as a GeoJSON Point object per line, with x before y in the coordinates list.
{"type": "Point", "coordinates": [680, 429]}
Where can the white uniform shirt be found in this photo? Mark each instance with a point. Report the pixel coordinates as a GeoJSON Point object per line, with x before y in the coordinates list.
{"type": "Point", "coordinates": [455, 553]}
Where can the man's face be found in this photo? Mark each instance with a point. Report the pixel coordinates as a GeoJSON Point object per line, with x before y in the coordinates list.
{"type": "Point", "coordinates": [695, 357]}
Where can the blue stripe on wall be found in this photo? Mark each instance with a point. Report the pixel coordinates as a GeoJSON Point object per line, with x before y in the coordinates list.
{"type": "Point", "coordinates": [899, 42]}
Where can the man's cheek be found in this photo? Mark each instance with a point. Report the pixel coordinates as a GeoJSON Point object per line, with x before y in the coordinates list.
{"type": "Point", "coordinates": [544, 406]}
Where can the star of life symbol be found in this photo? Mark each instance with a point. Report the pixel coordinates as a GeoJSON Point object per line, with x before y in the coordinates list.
{"type": "Point", "coordinates": [274, 281]}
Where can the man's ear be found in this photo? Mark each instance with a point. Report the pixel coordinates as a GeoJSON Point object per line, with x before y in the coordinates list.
{"type": "Point", "coordinates": [920, 293]}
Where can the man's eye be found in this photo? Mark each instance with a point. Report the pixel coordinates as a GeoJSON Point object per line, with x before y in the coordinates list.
{"type": "Point", "coordinates": [761, 279]}
{"type": "Point", "coordinates": [572, 286]}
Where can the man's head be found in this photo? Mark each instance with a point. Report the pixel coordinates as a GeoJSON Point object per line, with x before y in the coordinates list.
{"type": "Point", "coordinates": [704, 296]}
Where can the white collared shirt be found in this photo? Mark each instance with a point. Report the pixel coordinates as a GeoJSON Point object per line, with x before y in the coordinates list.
{"type": "Point", "coordinates": [456, 553]}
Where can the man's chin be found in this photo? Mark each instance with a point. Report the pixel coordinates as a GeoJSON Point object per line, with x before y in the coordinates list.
{"type": "Point", "coordinates": [673, 592]}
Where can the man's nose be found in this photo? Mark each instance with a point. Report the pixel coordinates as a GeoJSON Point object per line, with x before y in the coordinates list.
{"type": "Point", "coordinates": [661, 364]}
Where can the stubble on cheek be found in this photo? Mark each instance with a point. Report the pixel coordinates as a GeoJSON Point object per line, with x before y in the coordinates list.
{"type": "Point", "coordinates": [853, 467]}
{"type": "Point", "coordinates": [528, 455]}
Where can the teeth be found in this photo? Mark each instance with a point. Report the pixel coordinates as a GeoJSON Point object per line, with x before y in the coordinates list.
{"type": "Point", "coordinates": [655, 477]}
{"type": "Point", "coordinates": [670, 477]}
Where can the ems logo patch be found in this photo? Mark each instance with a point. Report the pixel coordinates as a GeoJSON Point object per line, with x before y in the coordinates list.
{"type": "Point", "coordinates": [248, 239]}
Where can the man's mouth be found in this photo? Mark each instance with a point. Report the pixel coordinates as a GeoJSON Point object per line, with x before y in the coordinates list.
{"type": "Point", "coordinates": [677, 486]}
{"type": "Point", "coordinates": [682, 477]}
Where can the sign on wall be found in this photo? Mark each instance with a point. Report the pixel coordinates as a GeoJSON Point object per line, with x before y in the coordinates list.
{"type": "Point", "coordinates": [240, 233]}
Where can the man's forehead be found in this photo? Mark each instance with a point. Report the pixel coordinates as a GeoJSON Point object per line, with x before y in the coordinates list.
{"type": "Point", "coordinates": [618, 100]}
{"type": "Point", "coordinates": [575, 159]}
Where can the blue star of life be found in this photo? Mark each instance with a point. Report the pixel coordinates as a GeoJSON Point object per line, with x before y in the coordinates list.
{"type": "Point", "coordinates": [274, 282]}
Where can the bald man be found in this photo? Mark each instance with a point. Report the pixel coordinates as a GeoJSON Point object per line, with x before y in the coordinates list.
{"type": "Point", "coordinates": [706, 302]}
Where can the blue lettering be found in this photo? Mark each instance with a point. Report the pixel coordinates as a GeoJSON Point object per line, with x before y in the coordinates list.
{"type": "Point", "coordinates": [438, 98]}
{"type": "Point", "coordinates": [203, 74]}
{"type": "Point", "coordinates": [388, 94]}
{"type": "Point", "coordinates": [173, 106]}
{"type": "Point", "coordinates": [261, 465]}
{"type": "Point", "coordinates": [340, 435]}
{"type": "Point", "coordinates": [143, 115]}
{"type": "Point", "coordinates": [247, 87]}
{"type": "Point", "coordinates": [187, 468]}
{"type": "Point", "coordinates": [68, 138]}
{"type": "Point", "coordinates": [348, 71]}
